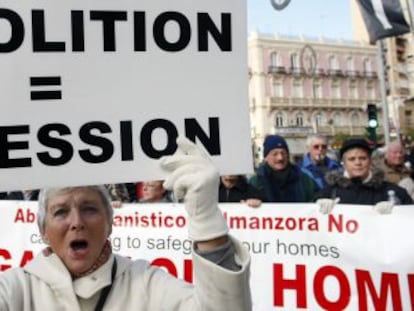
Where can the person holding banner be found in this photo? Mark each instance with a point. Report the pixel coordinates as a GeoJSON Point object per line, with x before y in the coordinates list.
{"type": "Point", "coordinates": [360, 183]}
{"type": "Point", "coordinates": [278, 179]}
{"type": "Point", "coordinates": [78, 271]}
{"type": "Point", "coordinates": [235, 188]}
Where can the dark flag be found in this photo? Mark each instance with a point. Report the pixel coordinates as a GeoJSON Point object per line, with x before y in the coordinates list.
{"type": "Point", "coordinates": [383, 18]}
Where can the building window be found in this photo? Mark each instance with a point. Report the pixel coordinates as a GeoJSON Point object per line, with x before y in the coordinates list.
{"type": "Point", "coordinates": [299, 119]}
{"type": "Point", "coordinates": [277, 89]}
{"type": "Point", "coordinates": [274, 59]}
{"type": "Point", "coordinates": [319, 120]}
{"type": "Point", "coordinates": [279, 120]}
{"type": "Point", "coordinates": [370, 90]}
{"type": "Point", "coordinates": [350, 64]}
{"type": "Point", "coordinates": [317, 89]}
{"type": "Point", "coordinates": [333, 63]}
{"type": "Point", "coordinates": [294, 61]}
{"type": "Point", "coordinates": [297, 88]}
{"type": "Point", "coordinates": [337, 120]}
{"type": "Point", "coordinates": [353, 90]}
{"type": "Point", "coordinates": [336, 90]}
{"type": "Point", "coordinates": [355, 119]}
{"type": "Point", "coordinates": [367, 66]}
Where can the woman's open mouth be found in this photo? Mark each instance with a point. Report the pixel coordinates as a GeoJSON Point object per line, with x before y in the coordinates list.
{"type": "Point", "coordinates": [79, 248]}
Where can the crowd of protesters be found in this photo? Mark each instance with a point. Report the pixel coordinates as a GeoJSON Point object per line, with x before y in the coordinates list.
{"type": "Point", "coordinates": [359, 175]}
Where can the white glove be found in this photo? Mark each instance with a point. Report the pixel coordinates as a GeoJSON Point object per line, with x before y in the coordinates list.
{"type": "Point", "coordinates": [384, 207]}
{"type": "Point", "coordinates": [408, 184]}
{"type": "Point", "coordinates": [326, 205]}
{"type": "Point", "coordinates": [195, 179]}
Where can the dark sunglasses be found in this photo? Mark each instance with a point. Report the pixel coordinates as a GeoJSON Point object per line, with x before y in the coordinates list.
{"type": "Point", "coordinates": [323, 147]}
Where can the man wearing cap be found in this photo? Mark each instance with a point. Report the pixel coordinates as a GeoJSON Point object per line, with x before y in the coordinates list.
{"type": "Point", "coordinates": [278, 178]}
{"type": "Point", "coordinates": [359, 183]}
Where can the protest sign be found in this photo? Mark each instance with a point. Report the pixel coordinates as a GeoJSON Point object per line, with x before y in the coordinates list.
{"type": "Point", "coordinates": [352, 259]}
{"type": "Point", "coordinates": [96, 92]}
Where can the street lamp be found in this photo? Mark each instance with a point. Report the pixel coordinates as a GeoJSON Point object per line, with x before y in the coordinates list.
{"type": "Point", "coordinates": [279, 4]}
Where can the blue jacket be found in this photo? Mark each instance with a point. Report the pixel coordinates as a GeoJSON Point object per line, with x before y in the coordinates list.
{"type": "Point", "coordinates": [314, 171]}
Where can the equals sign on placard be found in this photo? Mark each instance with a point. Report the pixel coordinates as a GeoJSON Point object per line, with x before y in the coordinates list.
{"type": "Point", "coordinates": [43, 82]}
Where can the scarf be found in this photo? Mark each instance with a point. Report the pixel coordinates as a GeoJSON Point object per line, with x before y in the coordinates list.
{"type": "Point", "coordinates": [364, 181]}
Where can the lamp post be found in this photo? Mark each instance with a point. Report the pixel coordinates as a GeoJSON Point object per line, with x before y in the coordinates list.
{"type": "Point", "coordinates": [384, 101]}
{"type": "Point", "coordinates": [279, 4]}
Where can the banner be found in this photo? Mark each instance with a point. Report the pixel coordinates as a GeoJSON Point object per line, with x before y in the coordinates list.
{"type": "Point", "coordinates": [89, 87]}
{"type": "Point", "coordinates": [352, 259]}
{"type": "Point", "coordinates": [383, 18]}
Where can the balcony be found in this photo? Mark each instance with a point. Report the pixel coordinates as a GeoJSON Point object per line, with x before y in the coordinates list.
{"type": "Point", "coordinates": [303, 131]}
{"type": "Point", "coordinates": [335, 72]}
{"type": "Point", "coordinates": [292, 130]}
{"type": "Point", "coordinates": [276, 70]}
{"type": "Point", "coordinates": [352, 73]}
{"type": "Point", "coordinates": [297, 71]}
{"type": "Point", "coordinates": [349, 129]}
{"type": "Point", "coordinates": [313, 103]}
{"type": "Point", "coordinates": [320, 103]}
{"type": "Point", "coordinates": [369, 74]}
{"type": "Point", "coordinates": [318, 72]}
{"type": "Point", "coordinates": [285, 102]}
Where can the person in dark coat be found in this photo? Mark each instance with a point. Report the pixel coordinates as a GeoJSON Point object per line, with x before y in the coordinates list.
{"type": "Point", "coordinates": [24, 195]}
{"type": "Point", "coordinates": [278, 178]}
{"type": "Point", "coordinates": [359, 183]}
{"type": "Point", "coordinates": [235, 188]}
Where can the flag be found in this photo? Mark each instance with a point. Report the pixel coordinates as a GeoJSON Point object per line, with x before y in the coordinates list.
{"type": "Point", "coordinates": [383, 18]}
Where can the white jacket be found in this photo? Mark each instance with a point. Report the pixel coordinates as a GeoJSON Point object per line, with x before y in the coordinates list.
{"type": "Point", "coordinates": [45, 284]}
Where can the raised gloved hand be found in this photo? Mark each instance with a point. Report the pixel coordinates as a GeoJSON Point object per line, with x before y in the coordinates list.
{"type": "Point", "coordinates": [195, 180]}
{"type": "Point", "coordinates": [326, 205]}
{"type": "Point", "coordinates": [384, 207]}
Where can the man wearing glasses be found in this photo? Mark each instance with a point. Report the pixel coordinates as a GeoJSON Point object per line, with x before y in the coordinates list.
{"type": "Point", "coordinates": [315, 162]}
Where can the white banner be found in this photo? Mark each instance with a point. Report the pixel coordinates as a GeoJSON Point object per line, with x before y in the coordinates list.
{"type": "Point", "coordinates": [97, 91]}
{"type": "Point", "coordinates": [353, 259]}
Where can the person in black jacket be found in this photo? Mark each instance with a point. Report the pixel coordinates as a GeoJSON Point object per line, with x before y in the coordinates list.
{"type": "Point", "coordinates": [24, 195]}
{"type": "Point", "coordinates": [359, 183]}
{"type": "Point", "coordinates": [235, 188]}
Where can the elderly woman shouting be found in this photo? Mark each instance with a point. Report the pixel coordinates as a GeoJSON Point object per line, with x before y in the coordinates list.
{"type": "Point", "coordinates": [359, 184]}
{"type": "Point", "coordinates": [78, 271]}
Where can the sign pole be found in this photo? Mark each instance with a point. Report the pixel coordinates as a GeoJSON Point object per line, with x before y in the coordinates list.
{"type": "Point", "coordinates": [384, 103]}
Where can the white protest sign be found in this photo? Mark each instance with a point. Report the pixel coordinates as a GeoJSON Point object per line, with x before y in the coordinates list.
{"type": "Point", "coordinates": [352, 259]}
{"type": "Point", "coordinates": [97, 91]}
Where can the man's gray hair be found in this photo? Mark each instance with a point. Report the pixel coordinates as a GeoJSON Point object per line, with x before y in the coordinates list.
{"type": "Point", "coordinates": [47, 193]}
{"type": "Point", "coordinates": [312, 137]}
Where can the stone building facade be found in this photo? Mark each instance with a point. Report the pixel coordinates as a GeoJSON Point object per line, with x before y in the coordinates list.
{"type": "Point", "coordinates": [299, 86]}
{"type": "Point", "coordinates": [399, 70]}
